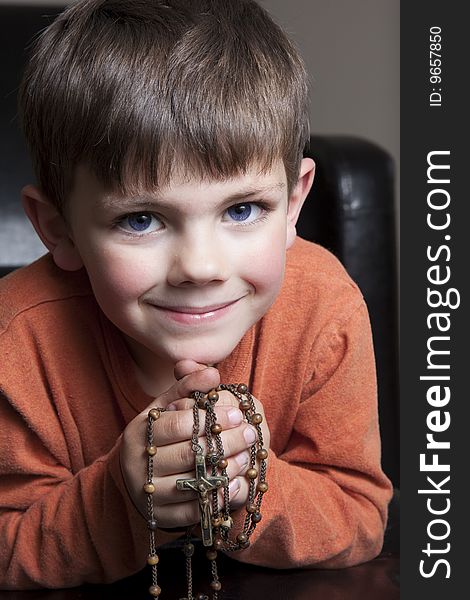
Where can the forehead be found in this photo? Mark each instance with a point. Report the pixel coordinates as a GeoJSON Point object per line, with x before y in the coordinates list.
{"type": "Point", "coordinates": [183, 189]}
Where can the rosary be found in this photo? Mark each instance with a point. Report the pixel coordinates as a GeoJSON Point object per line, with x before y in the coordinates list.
{"type": "Point", "coordinates": [216, 523]}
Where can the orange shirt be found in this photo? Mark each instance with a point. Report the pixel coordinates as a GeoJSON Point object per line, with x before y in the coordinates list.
{"type": "Point", "coordinates": [68, 389]}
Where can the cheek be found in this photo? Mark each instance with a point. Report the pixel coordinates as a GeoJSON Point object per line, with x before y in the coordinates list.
{"type": "Point", "coordinates": [264, 267]}
{"type": "Point", "coordinates": [116, 280]}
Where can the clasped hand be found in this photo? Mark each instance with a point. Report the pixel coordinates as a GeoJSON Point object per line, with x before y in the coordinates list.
{"type": "Point", "coordinates": [175, 459]}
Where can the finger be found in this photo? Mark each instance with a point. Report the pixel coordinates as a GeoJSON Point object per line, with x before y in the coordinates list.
{"type": "Point", "coordinates": [178, 457]}
{"type": "Point", "coordinates": [238, 464]}
{"type": "Point", "coordinates": [177, 426]}
{"type": "Point", "coordinates": [186, 367]}
{"type": "Point", "coordinates": [186, 513]}
{"type": "Point", "coordinates": [239, 497]}
{"type": "Point", "coordinates": [167, 492]}
{"type": "Point", "coordinates": [203, 380]}
{"type": "Point", "coordinates": [183, 514]}
{"type": "Point", "coordinates": [225, 399]}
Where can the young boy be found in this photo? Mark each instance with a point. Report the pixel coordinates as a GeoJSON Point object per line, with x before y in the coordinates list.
{"type": "Point", "coordinates": [167, 140]}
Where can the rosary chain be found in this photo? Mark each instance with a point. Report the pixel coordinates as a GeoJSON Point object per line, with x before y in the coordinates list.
{"type": "Point", "coordinates": [215, 458]}
{"type": "Point", "coordinates": [149, 489]}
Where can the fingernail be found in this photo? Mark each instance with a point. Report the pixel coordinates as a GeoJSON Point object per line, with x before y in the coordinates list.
{"type": "Point", "coordinates": [242, 460]}
{"type": "Point", "coordinates": [234, 486]}
{"type": "Point", "coordinates": [249, 435]}
{"type": "Point", "coordinates": [235, 416]}
{"type": "Point", "coordinates": [171, 407]}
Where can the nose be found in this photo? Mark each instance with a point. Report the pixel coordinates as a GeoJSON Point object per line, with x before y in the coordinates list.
{"type": "Point", "coordinates": [197, 260]}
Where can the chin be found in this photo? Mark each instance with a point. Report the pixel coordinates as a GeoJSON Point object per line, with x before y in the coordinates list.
{"type": "Point", "coordinates": [202, 353]}
{"type": "Point", "coordinates": [203, 358]}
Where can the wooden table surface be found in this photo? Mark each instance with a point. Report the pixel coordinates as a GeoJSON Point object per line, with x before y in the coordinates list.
{"type": "Point", "coordinates": [375, 580]}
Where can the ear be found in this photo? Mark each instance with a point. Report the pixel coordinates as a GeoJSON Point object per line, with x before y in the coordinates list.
{"type": "Point", "coordinates": [297, 198]}
{"type": "Point", "coordinates": [51, 228]}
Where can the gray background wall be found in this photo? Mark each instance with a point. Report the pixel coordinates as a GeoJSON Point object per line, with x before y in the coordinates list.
{"type": "Point", "coordinates": [351, 48]}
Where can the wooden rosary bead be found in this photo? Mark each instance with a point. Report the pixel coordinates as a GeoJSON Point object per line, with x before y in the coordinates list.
{"type": "Point", "coordinates": [155, 590]}
{"type": "Point", "coordinates": [262, 454]}
{"type": "Point", "coordinates": [262, 487]}
{"type": "Point", "coordinates": [242, 388]}
{"type": "Point", "coordinates": [223, 463]}
{"type": "Point", "coordinates": [213, 396]}
{"type": "Point", "coordinates": [152, 525]}
{"type": "Point", "coordinates": [201, 597]}
{"type": "Point", "coordinates": [201, 403]}
{"type": "Point", "coordinates": [256, 419]}
{"type": "Point", "coordinates": [211, 554]}
{"type": "Point", "coordinates": [256, 517]}
{"type": "Point", "coordinates": [252, 473]}
{"type": "Point", "coordinates": [216, 428]}
{"type": "Point", "coordinates": [151, 450]}
{"type": "Point", "coordinates": [149, 488]}
{"type": "Point", "coordinates": [242, 538]}
{"type": "Point", "coordinates": [188, 549]}
{"type": "Point", "coordinates": [244, 405]}
{"type": "Point", "coordinates": [216, 586]}
{"type": "Point", "coordinates": [154, 413]}
{"type": "Point", "coordinates": [153, 559]}
{"type": "Point", "coordinates": [216, 521]}
{"type": "Point", "coordinates": [251, 508]}
{"type": "Point", "coordinates": [218, 544]}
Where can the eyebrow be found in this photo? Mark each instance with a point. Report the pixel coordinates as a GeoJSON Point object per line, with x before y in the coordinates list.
{"type": "Point", "coordinates": [145, 202]}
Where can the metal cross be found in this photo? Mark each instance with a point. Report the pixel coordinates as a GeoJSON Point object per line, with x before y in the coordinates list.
{"type": "Point", "coordinates": [202, 484]}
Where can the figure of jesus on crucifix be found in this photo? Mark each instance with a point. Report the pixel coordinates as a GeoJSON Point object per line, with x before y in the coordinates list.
{"type": "Point", "coordinates": [203, 484]}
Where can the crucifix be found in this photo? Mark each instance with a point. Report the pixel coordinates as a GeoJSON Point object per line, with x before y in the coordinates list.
{"type": "Point", "coordinates": [202, 484]}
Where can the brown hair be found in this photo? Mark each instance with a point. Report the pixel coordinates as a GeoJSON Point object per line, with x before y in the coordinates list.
{"type": "Point", "coordinates": [127, 87]}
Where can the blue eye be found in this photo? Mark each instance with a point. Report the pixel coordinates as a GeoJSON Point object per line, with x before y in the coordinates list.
{"type": "Point", "coordinates": [140, 223]}
{"type": "Point", "coordinates": [243, 213]}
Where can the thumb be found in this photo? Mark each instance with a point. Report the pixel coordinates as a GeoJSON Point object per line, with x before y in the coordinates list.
{"type": "Point", "coordinates": [203, 379]}
{"type": "Point", "coordinates": [185, 367]}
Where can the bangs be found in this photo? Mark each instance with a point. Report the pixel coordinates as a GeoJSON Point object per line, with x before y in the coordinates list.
{"type": "Point", "coordinates": [202, 130]}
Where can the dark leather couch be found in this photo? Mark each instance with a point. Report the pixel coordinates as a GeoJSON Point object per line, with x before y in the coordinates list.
{"type": "Point", "coordinates": [350, 211]}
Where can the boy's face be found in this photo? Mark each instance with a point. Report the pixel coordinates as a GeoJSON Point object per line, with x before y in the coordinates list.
{"type": "Point", "coordinates": [185, 273]}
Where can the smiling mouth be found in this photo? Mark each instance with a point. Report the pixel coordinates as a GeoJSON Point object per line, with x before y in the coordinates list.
{"type": "Point", "coordinates": [196, 314]}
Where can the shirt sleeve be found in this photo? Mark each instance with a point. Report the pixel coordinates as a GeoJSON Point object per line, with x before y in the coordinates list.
{"type": "Point", "coordinates": [327, 500]}
{"type": "Point", "coordinates": [60, 529]}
